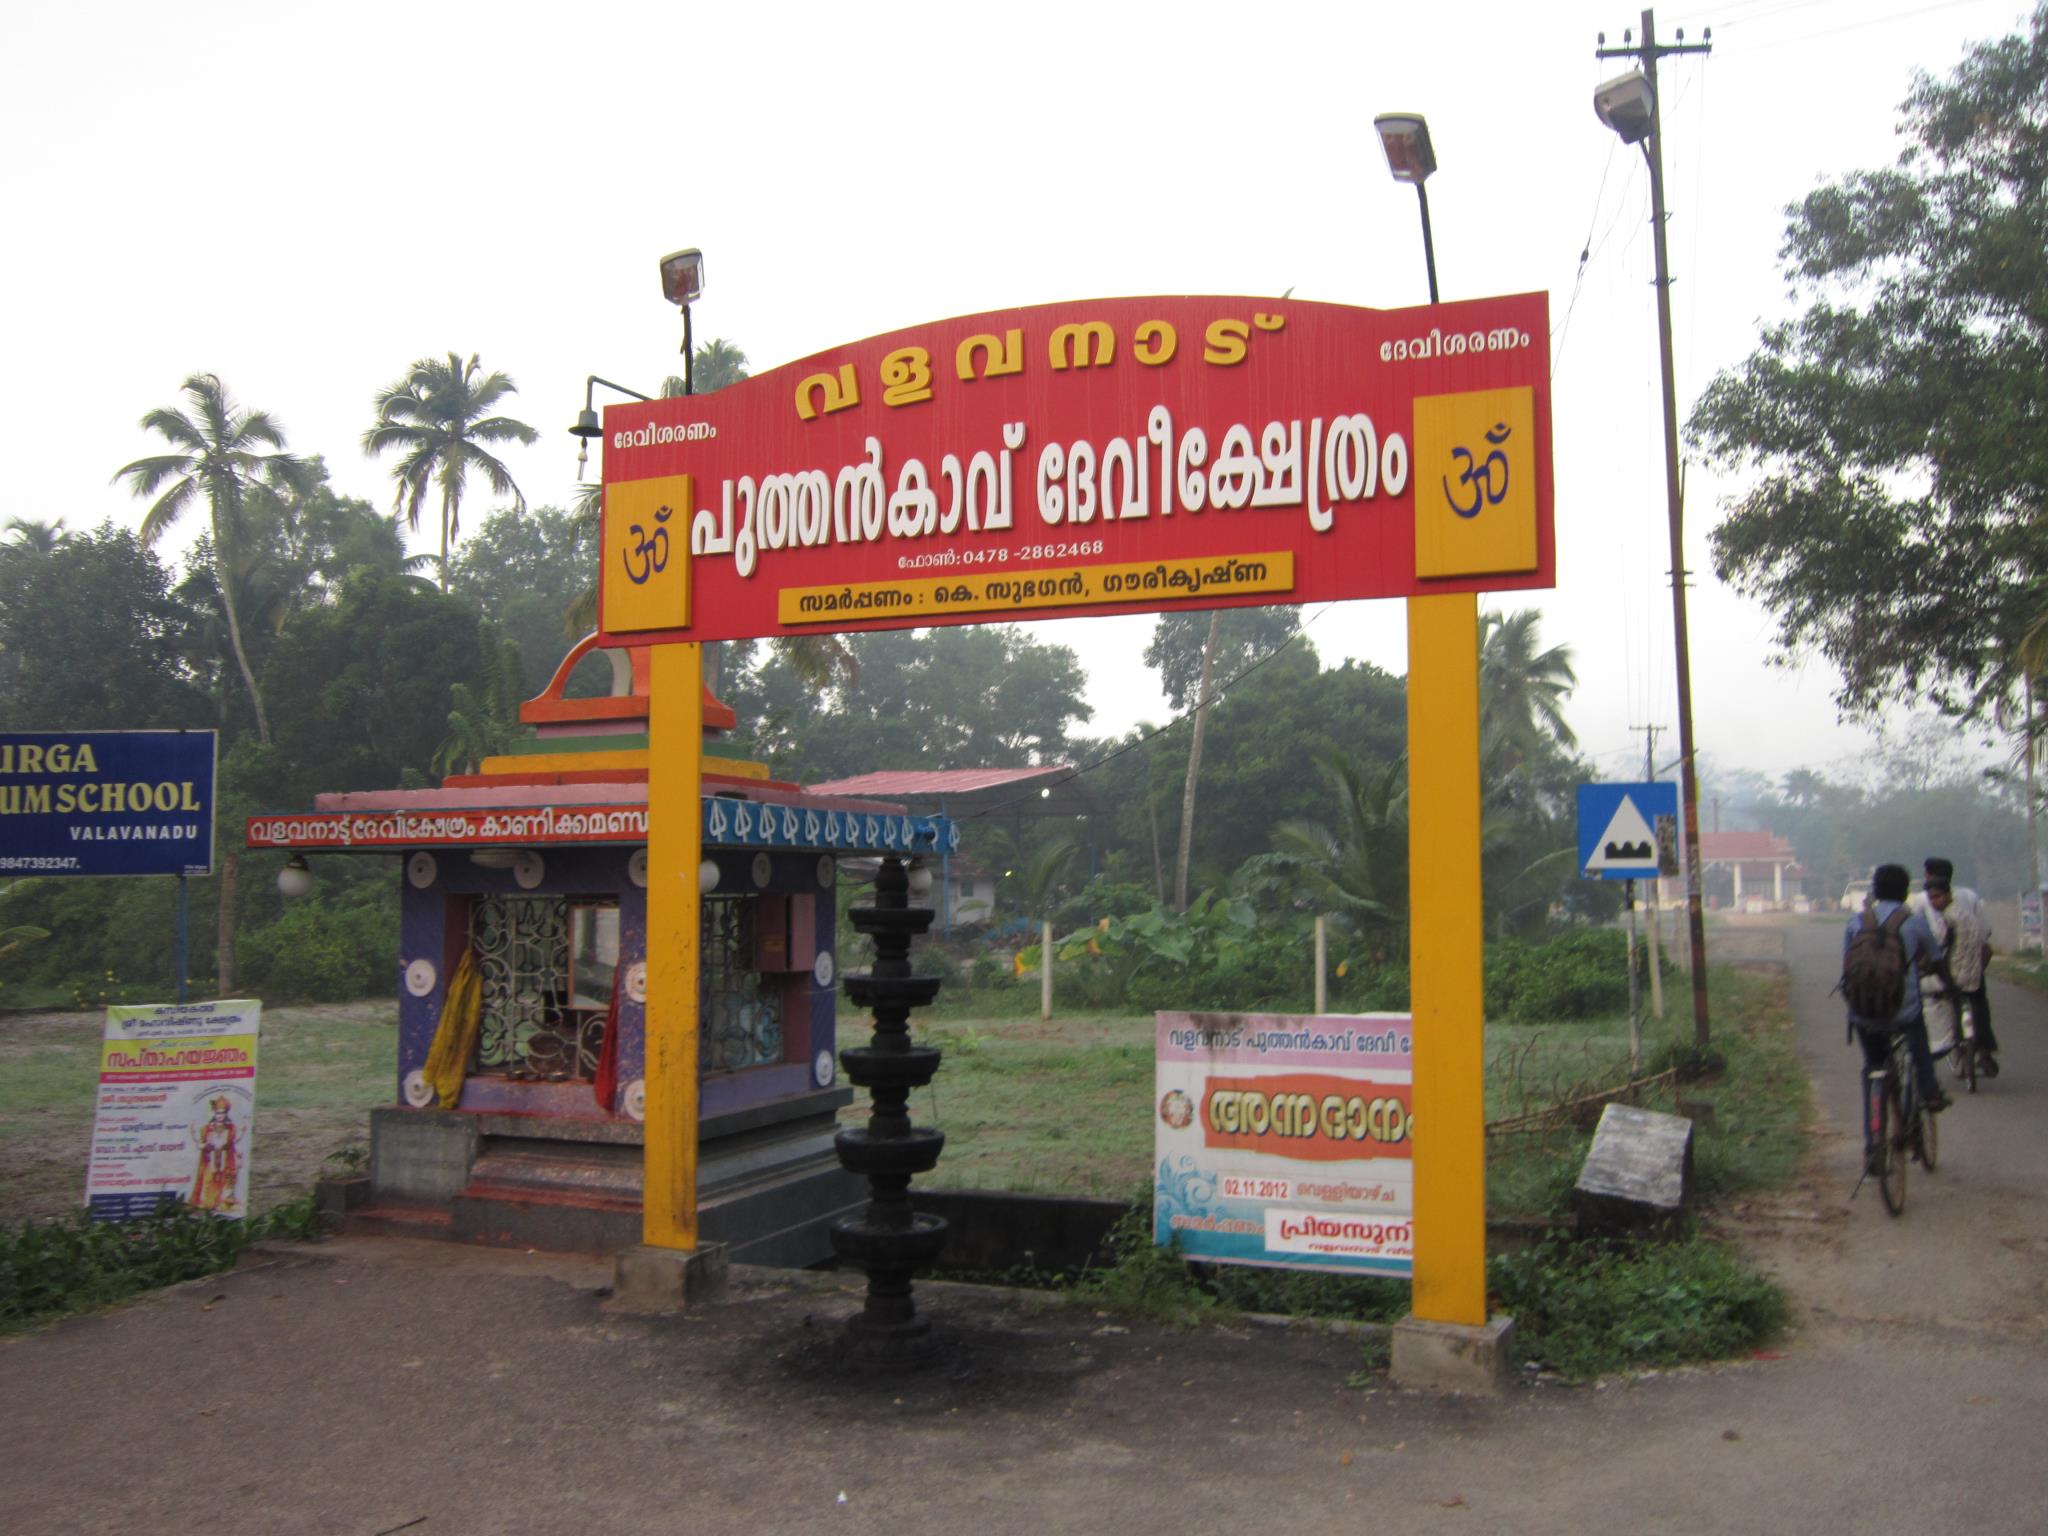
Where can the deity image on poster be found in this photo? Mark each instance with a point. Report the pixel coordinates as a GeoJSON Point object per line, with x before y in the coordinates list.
{"type": "Point", "coordinates": [218, 1143]}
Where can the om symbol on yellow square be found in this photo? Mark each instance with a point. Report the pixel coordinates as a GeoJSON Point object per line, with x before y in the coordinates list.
{"type": "Point", "coordinates": [1475, 482]}
{"type": "Point", "coordinates": [646, 551]}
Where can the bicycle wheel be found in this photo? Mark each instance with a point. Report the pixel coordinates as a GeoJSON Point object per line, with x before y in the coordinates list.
{"type": "Point", "coordinates": [1953, 1047]}
{"type": "Point", "coordinates": [1891, 1148]}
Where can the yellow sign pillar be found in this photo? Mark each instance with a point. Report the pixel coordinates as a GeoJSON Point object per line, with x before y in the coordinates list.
{"type": "Point", "coordinates": [1446, 959]}
{"type": "Point", "coordinates": [675, 764]}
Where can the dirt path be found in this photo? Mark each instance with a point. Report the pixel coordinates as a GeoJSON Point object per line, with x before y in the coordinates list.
{"type": "Point", "coordinates": [1970, 1254]}
{"type": "Point", "coordinates": [366, 1386]}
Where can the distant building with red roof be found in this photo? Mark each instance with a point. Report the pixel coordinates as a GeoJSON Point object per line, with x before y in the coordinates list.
{"type": "Point", "coordinates": [1755, 871]}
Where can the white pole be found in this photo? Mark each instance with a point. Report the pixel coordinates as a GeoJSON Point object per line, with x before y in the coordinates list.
{"type": "Point", "coordinates": [1322, 966]}
{"type": "Point", "coordinates": [1635, 1025]}
{"type": "Point", "coordinates": [1656, 938]}
{"type": "Point", "coordinates": [1045, 972]}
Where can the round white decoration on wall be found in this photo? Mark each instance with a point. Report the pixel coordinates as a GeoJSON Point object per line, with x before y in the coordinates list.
{"type": "Point", "coordinates": [419, 1093]}
{"type": "Point", "coordinates": [421, 870]}
{"type": "Point", "coordinates": [827, 872]}
{"type": "Point", "coordinates": [529, 869]}
{"type": "Point", "coordinates": [824, 1069]}
{"type": "Point", "coordinates": [636, 868]}
{"type": "Point", "coordinates": [420, 977]}
{"type": "Point", "coordinates": [764, 871]}
{"type": "Point", "coordinates": [823, 969]}
{"type": "Point", "coordinates": [636, 981]}
{"type": "Point", "coordinates": [636, 1099]}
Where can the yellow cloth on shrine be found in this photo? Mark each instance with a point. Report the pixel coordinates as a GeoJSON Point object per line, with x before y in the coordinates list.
{"type": "Point", "coordinates": [455, 1037]}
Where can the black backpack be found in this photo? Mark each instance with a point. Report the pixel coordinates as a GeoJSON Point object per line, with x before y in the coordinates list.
{"type": "Point", "coordinates": [1874, 967]}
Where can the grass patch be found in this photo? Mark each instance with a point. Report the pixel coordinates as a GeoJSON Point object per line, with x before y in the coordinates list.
{"type": "Point", "coordinates": [1751, 1074]}
{"type": "Point", "coordinates": [321, 1070]}
{"type": "Point", "coordinates": [1146, 1280]}
{"type": "Point", "coordinates": [2022, 971]}
{"type": "Point", "coordinates": [1590, 1309]}
{"type": "Point", "coordinates": [1062, 1108]}
{"type": "Point", "coordinates": [1065, 1107]}
{"type": "Point", "coordinates": [1583, 1310]}
{"type": "Point", "coordinates": [51, 1269]}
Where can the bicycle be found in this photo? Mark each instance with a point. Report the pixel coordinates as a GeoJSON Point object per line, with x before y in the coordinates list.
{"type": "Point", "coordinates": [1895, 1127]}
{"type": "Point", "coordinates": [1960, 1047]}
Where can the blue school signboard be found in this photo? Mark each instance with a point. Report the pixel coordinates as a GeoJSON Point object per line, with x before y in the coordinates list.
{"type": "Point", "coordinates": [1624, 828]}
{"type": "Point", "coordinates": [106, 802]}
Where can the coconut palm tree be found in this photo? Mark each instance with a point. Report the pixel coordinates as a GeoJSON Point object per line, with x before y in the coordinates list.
{"type": "Point", "coordinates": [437, 416]}
{"type": "Point", "coordinates": [717, 364]}
{"type": "Point", "coordinates": [1522, 688]}
{"type": "Point", "coordinates": [28, 536]}
{"type": "Point", "coordinates": [1355, 869]}
{"type": "Point", "coordinates": [215, 459]}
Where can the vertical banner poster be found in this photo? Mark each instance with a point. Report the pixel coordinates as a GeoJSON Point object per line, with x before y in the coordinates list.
{"type": "Point", "coordinates": [177, 1109]}
{"type": "Point", "coordinates": [1285, 1140]}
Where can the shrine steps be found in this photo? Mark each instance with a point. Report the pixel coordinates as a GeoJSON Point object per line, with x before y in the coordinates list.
{"type": "Point", "coordinates": [769, 1184]}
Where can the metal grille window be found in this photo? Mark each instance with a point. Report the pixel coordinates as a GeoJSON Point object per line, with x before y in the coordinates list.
{"type": "Point", "coordinates": [741, 1021]}
{"type": "Point", "coordinates": [528, 1030]}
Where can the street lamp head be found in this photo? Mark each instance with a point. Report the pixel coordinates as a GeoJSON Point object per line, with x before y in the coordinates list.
{"type": "Point", "coordinates": [1405, 137]}
{"type": "Point", "coordinates": [295, 879]}
{"type": "Point", "coordinates": [682, 277]}
{"type": "Point", "coordinates": [1626, 105]}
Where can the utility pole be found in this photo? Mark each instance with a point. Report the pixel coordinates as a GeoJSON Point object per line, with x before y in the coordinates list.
{"type": "Point", "coordinates": [1647, 53]}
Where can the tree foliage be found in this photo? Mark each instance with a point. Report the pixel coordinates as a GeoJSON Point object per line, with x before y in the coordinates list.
{"type": "Point", "coordinates": [965, 697]}
{"type": "Point", "coordinates": [91, 637]}
{"type": "Point", "coordinates": [215, 458]}
{"type": "Point", "coordinates": [440, 418]}
{"type": "Point", "coordinates": [1897, 522]}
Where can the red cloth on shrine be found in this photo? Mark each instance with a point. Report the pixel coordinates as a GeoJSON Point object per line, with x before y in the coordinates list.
{"type": "Point", "coordinates": [605, 1086]}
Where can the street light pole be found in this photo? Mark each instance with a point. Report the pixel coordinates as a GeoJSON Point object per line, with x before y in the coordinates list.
{"type": "Point", "coordinates": [1428, 244]}
{"type": "Point", "coordinates": [1648, 52]}
{"type": "Point", "coordinates": [1446, 926]}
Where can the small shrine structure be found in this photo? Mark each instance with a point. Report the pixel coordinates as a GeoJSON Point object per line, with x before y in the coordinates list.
{"type": "Point", "coordinates": [519, 1094]}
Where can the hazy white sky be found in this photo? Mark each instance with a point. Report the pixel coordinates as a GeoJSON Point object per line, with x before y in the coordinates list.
{"type": "Point", "coordinates": [304, 199]}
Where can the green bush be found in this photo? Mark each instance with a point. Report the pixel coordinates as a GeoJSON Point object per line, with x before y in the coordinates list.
{"type": "Point", "coordinates": [1580, 974]}
{"type": "Point", "coordinates": [1591, 1308]}
{"type": "Point", "coordinates": [1146, 1279]}
{"type": "Point", "coordinates": [75, 1264]}
{"type": "Point", "coordinates": [317, 953]}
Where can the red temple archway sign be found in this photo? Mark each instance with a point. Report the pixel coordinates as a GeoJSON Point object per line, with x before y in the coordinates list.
{"type": "Point", "coordinates": [1109, 456]}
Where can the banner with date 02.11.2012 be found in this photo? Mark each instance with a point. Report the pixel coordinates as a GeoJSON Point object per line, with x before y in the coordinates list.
{"type": "Point", "coordinates": [1286, 1140]}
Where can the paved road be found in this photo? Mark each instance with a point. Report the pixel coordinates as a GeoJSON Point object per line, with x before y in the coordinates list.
{"type": "Point", "coordinates": [363, 1386]}
{"type": "Point", "coordinates": [1970, 1254]}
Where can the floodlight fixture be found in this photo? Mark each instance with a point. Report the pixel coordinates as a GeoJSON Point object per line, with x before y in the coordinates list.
{"type": "Point", "coordinates": [1628, 106]}
{"type": "Point", "coordinates": [682, 277]}
{"type": "Point", "coordinates": [1412, 158]}
{"type": "Point", "coordinates": [1405, 138]}
{"type": "Point", "coordinates": [682, 284]}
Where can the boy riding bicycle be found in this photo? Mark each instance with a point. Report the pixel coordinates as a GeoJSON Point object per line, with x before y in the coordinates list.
{"type": "Point", "coordinates": [1956, 918]}
{"type": "Point", "coordinates": [1886, 911]}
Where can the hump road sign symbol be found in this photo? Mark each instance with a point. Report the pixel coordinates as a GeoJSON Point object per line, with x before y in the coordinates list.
{"type": "Point", "coordinates": [1617, 828]}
